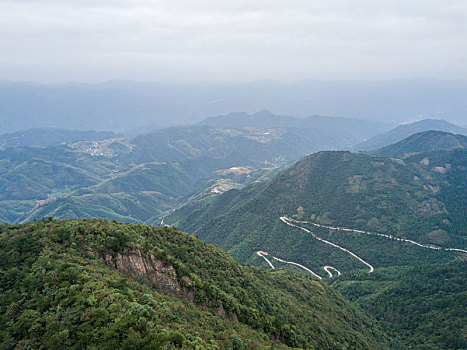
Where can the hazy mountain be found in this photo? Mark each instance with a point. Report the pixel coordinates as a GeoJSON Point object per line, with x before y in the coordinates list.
{"type": "Point", "coordinates": [82, 107]}
{"type": "Point", "coordinates": [126, 106]}
{"type": "Point", "coordinates": [92, 283]}
{"type": "Point", "coordinates": [318, 124]}
{"type": "Point", "coordinates": [51, 136]}
{"type": "Point", "coordinates": [261, 137]}
{"type": "Point", "coordinates": [423, 142]}
{"type": "Point", "coordinates": [138, 179]}
{"type": "Point", "coordinates": [405, 130]}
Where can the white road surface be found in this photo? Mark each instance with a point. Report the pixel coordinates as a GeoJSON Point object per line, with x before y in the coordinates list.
{"type": "Point", "coordinates": [428, 246]}
{"type": "Point", "coordinates": [264, 254]}
{"type": "Point", "coordinates": [289, 222]}
{"type": "Point", "coordinates": [328, 270]}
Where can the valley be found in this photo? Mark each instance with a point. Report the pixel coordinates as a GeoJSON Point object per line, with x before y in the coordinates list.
{"type": "Point", "coordinates": [138, 179]}
{"type": "Point", "coordinates": [233, 175]}
{"type": "Point", "coordinates": [369, 227]}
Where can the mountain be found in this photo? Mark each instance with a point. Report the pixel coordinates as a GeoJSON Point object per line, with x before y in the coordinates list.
{"type": "Point", "coordinates": [92, 283]}
{"type": "Point", "coordinates": [31, 175]}
{"type": "Point", "coordinates": [368, 225]}
{"type": "Point", "coordinates": [82, 107]}
{"type": "Point", "coordinates": [124, 106]}
{"type": "Point", "coordinates": [51, 137]}
{"type": "Point", "coordinates": [405, 130]}
{"type": "Point", "coordinates": [138, 179]}
{"type": "Point", "coordinates": [424, 141]}
{"type": "Point", "coordinates": [141, 194]}
{"type": "Point", "coordinates": [261, 137]}
{"type": "Point", "coordinates": [420, 198]}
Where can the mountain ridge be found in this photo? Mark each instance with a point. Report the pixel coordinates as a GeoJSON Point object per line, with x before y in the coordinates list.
{"type": "Point", "coordinates": [108, 284]}
{"type": "Point", "coordinates": [403, 131]}
{"type": "Point", "coordinates": [423, 142]}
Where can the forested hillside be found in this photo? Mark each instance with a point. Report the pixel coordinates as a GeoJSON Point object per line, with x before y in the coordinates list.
{"type": "Point", "coordinates": [138, 179]}
{"type": "Point", "coordinates": [51, 137]}
{"type": "Point", "coordinates": [419, 198]}
{"type": "Point", "coordinates": [425, 305]}
{"type": "Point", "coordinates": [423, 141]}
{"type": "Point", "coordinates": [92, 283]}
{"type": "Point", "coordinates": [386, 232]}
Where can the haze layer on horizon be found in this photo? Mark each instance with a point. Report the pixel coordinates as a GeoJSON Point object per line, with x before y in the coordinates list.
{"type": "Point", "coordinates": [232, 40]}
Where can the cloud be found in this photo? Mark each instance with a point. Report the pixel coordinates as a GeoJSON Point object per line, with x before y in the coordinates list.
{"type": "Point", "coordinates": [232, 39]}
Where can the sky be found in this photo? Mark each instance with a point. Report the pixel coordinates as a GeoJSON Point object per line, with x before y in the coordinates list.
{"type": "Point", "coordinates": [232, 40]}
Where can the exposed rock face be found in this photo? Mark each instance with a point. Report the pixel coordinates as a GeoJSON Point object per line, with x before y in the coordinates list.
{"type": "Point", "coordinates": [137, 263]}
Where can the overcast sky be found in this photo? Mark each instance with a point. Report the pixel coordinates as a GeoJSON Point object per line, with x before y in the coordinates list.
{"type": "Point", "coordinates": [232, 40]}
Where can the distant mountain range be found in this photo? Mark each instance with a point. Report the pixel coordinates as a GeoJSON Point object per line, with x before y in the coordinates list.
{"type": "Point", "coordinates": [424, 141]}
{"type": "Point", "coordinates": [126, 106]}
{"type": "Point", "coordinates": [50, 137]}
{"type": "Point", "coordinates": [137, 179]}
{"type": "Point", "coordinates": [405, 130]}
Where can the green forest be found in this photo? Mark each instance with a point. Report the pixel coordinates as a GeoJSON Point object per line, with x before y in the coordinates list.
{"type": "Point", "coordinates": [80, 284]}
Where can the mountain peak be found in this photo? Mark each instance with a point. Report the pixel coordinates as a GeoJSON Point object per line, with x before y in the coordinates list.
{"type": "Point", "coordinates": [423, 142]}
{"type": "Point", "coordinates": [403, 131]}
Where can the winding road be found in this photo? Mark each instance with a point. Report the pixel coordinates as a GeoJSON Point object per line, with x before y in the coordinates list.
{"type": "Point", "coordinates": [429, 246]}
{"type": "Point", "coordinates": [328, 268]}
{"type": "Point", "coordinates": [294, 223]}
{"type": "Point", "coordinates": [264, 254]}
{"type": "Point", "coordinates": [289, 222]}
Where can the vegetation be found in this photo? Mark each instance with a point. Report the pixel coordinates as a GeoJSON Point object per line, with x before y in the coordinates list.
{"type": "Point", "coordinates": [422, 142]}
{"type": "Point", "coordinates": [138, 179]}
{"type": "Point", "coordinates": [418, 293]}
{"type": "Point", "coordinates": [425, 305]}
{"type": "Point", "coordinates": [404, 198]}
{"type": "Point", "coordinates": [98, 284]}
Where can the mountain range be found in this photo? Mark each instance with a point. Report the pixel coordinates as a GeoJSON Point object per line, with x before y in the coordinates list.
{"type": "Point", "coordinates": [123, 106]}
{"type": "Point", "coordinates": [137, 179]}
{"type": "Point", "coordinates": [388, 233]}
{"type": "Point", "coordinates": [349, 250]}
{"type": "Point", "coordinates": [422, 142]}
{"type": "Point", "coordinates": [51, 137]}
{"type": "Point", "coordinates": [405, 130]}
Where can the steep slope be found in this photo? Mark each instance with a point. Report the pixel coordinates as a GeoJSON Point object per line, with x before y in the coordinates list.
{"type": "Point", "coordinates": [426, 305]}
{"type": "Point", "coordinates": [386, 232]}
{"type": "Point", "coordinates": [420, 198]}
{"type": "Point", "coordinates": [422, 142]}
{"type": "Point", "coordinates": [92, 283]}
{"type": "Point", "coordinates": [405, 130]}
